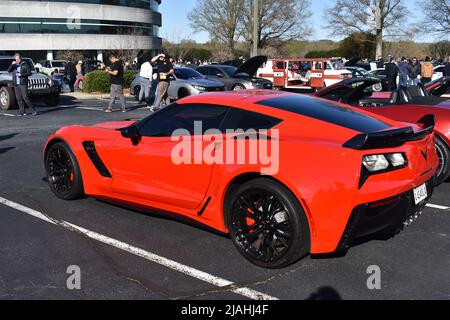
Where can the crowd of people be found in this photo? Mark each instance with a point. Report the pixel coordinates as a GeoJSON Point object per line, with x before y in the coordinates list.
{"type": "Point", "coordinates": [409, 72]}
{"type": "Point", "coordinates": [154, 81]}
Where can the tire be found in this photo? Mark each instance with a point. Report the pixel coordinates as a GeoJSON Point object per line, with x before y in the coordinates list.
{"type": "Point", "coordinates": [238, 87]}
{"type": "Point", "coordinates": [285, 227]}
{"type": "Point", "coordinates": [443, 151]}
{"type": "Point", "coordinates": [183, 93]}
{"type": "Point", "coordinates": [52, 100]}
{"type": "Point", "coordinates": [80, 85]}
{"type": "Point", "coordinates": [7, 98]}
{"type": "Point", "coordinates": [137, 91]}
{"type": "Point", "coordinates": [63, 172]}
{"type": "Point", "coordinates": [377, 87]}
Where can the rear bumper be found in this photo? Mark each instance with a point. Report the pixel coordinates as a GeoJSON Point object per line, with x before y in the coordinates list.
{"type": "Point", "coordinates": [387, 216]}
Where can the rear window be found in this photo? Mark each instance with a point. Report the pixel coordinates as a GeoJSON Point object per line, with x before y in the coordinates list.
{"type": "Point", "coordinates": [326, 111]}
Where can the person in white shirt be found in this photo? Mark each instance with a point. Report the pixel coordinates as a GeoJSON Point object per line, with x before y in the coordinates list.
{"type": "Point", "coordinates": [146, 75]}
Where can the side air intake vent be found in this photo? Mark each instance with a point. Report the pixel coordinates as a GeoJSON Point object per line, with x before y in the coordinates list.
{"type": "Point", "coordinates": [89, 146]}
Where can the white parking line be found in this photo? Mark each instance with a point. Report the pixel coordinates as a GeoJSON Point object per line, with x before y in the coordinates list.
{"type": "Point", "coordinates": [189, 271]}
{"type": "Point", "coordinates": [435, 206]}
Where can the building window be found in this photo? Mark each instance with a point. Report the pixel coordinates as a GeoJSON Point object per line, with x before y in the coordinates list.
{"type": "Point", "coordinates": [37, 25]}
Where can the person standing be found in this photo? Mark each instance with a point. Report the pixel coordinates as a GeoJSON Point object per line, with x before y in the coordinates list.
{"type": "Point", "coordinates": [165, 70]}
{"type": "Point", "coordinates": [116, 79]}
{"type": "Point", "coordinates": [21, 70]}
{"type": "Point", "coordinates": [146, 75]}
{"type": "Point", "coordinates": [447, 68]}
{"type": "Point", "coordinates": [391, 73]}
{"type": "Point", "coordinates": [71, 75]}
{"type": "Point", "coordinates": [414, 71]}
{"type": "Point", "coordinates": [380, 62]}
{"type": "Point", "coordinates": [403, 72]}
{"type": "Point", "coordinates": [427, 70]}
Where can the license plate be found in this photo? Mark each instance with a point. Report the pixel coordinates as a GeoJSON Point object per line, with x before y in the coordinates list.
{"type": "Point", "coordinates": [420, 193]}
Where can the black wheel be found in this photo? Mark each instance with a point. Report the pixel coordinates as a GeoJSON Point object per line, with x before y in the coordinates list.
{"type": "Point", "coordinates": [63, 172]}
{"type": "Point", "coordinates": [443, 152]}
{"type": "Point", "coordinates": [80, 85]}
{"type": "Point", "coordinates": [267, 224]}
{"type": "Point", "coordinates": [7, 98]}
{"type": "Point", "coordinates": [183, 93]}
{"type": "Point", "coordinates": [238, 87]}
{"type": "Point", "coordinates": [137, 91]}
{"type": "Point", "coordinates": [378, 87]}
{"type": "Point", "coordinates": [52, 100]}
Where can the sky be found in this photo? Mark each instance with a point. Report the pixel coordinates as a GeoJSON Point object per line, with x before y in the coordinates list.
{"type": "Point", "coordinates": [176, 25]}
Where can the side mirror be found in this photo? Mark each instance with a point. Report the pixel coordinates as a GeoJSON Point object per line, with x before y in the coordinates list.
{"type": "Point", "coordinates": [132, 133]}
{"type": "Point", "coordinates": [220, 75]}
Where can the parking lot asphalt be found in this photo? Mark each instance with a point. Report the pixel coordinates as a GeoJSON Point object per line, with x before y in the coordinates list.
{"type": "Point", "coordinates": [126, 254]}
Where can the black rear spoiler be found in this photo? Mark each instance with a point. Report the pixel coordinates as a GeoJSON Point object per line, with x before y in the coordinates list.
{"type": "Point", "coordinates": [392, 138]}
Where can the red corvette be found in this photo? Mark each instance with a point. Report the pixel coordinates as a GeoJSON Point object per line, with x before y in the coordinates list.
{"type": "Point", "coordinates": [405, 105]}
{"type": "Point", "coordinates": [333, 173]}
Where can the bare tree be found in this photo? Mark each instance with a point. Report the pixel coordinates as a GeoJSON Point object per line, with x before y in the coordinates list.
{"type": "Point", "coordinates": [219, 18]}
{"type": "Point", "coordinates": [278, 20]}
{"type": "Point", "coordinates": [374, 16]}
{"type": "Point", "coordinates": [437, 13]}
{"type": "Point", "coordinates": [440, 49]}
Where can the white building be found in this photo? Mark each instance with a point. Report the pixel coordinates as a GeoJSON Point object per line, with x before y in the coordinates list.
{"type": "Point", "coordinates": [44, 27]}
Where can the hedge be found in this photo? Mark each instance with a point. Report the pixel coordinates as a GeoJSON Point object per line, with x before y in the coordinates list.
{"type": "Point", "coordinates": [98, 81]}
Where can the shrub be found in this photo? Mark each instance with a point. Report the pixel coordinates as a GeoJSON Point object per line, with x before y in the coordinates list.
{"type": "Point", "coordinates": [98, 81]}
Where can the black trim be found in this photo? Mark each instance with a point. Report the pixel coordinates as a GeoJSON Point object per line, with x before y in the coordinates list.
{"type": "Point", "coordinates": [387, 217]}
{"type": "Point", "coordinates": [391, 138]}
{"type": "Point", "coordinates": [90, 149]}
{"type": "Point", "coordinates": [202, 211]}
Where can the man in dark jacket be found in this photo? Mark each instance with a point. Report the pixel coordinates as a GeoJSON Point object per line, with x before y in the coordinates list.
{"type": "Point", "coordinates": [71, 75]}
{"type": "Point", "coordinates": [21, 70]}
{"type": "Point", "coordinates": [414, 71]}
{"type": "Point", "coordinates": [447, 68]}
{"type": "Point", "coordinates": [391, 73]}
{"type": "Point", "coordinates": [403, 72]}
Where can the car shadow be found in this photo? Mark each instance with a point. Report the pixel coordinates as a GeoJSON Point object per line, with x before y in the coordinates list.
{"type": "Point", "coordinates": [8, 136]}
{"type": "Point", "coordinates": [357, 242]}
{"type": "Point", "coordinates": [325, 293]}
{"type": "Point", "coordinates": [5, 150]}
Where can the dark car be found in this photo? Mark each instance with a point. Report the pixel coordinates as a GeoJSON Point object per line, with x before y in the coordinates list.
{"type": "Point", "coordinates": [238, 78]}
{"type": "Point", "coordinates": [358, 72]}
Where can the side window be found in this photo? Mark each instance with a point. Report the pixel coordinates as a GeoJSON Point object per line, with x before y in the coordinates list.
{"type": "Point", "coordinates": [215, 72]}
{"type": "Point", "coordinates": [203, 70]}
{"type": "Point", "coordinates": [175, 117]}
{"type": "Point", "coordinates": [245, 120]}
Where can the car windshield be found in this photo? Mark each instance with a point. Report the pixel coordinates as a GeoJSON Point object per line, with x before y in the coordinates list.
{"type": "Point", "coordinates": [230, 71]}
{"type": "Point", "coordinates": [58, 64]}
{"type": "Point", "coordinates": [187, 74]}
{"type": "Point", "coordinates": [337, 65]}
{"type": "Point", "coordinates": [363, 71]}
{"type": "Point", "coordinates": [5, 63]}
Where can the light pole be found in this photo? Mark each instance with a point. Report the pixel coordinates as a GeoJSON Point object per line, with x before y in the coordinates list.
{"type": "Point", "coordinates": [255, 27]}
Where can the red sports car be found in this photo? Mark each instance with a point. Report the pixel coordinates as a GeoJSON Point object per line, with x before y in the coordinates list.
{"type": "Point", "coordinates": [291, 174]}
{"type": "Point", "coordinates": [405, 105]}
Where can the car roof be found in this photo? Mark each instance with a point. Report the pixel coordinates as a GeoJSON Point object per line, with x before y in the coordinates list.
{"type": "Point", "coordinates": [280, 104]}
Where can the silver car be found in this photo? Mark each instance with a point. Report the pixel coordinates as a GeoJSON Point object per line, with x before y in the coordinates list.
{"type": "Point", "coordinates": [238, 78]}
{"type": "Point", "coordinates": [185, 82]}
